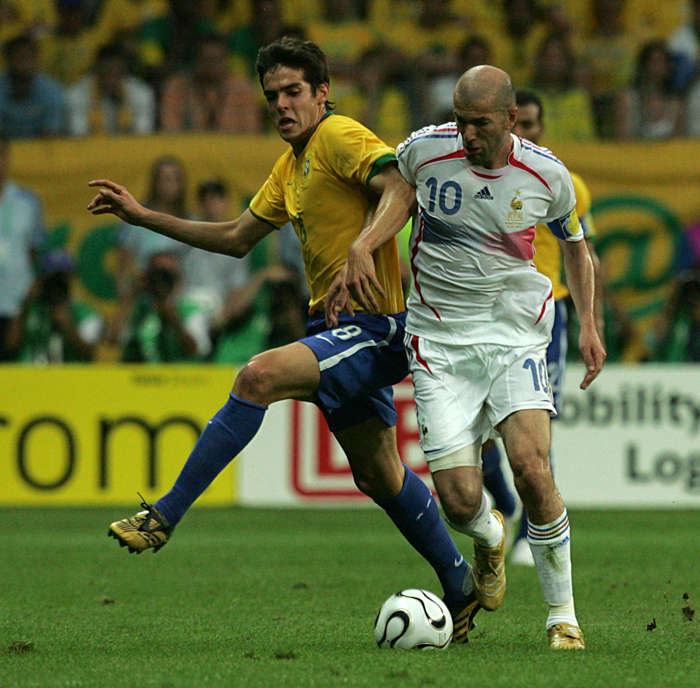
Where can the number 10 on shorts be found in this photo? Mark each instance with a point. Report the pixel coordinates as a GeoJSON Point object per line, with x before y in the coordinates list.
{"type": "Point", "coordinates": [538, 369]}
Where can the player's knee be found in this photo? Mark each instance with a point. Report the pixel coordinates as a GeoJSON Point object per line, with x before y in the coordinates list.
{"type": "Point", "coordinates": [461, 510]}
{"type": "Point", "coordinates": [257, 381]}
{"type": "Point", "coordinates": [532, 476]}
{"type": "Point", "coordinates": [375, 483]}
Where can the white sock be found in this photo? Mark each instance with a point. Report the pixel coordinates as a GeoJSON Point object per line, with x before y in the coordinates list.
{"type": "Point", "coordinates": [550, 545]}
{"type": "Point", "coordinates": [485, 528]}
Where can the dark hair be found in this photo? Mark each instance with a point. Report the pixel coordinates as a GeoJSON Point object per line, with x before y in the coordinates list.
{"type": "Point", "coordinates": [18, 42]}
{"type": "Point", "coordinates": [468, 45]}
{"type": "Point", "coordinates": [525, 97]}
{"type": "Point", "coordinates": [643, 57]}
{"type": "Point", "coordinates": [111, 50]}
{"type": "Point", "coordinates": [180, 202]}
{"type": "Point", "coordinates": [296, 54]}
{"type": "Point", "coordinates": [212, 186]}
{"type": "Point", "coordinates": [211, 39]}
{"type": "Point", "coordinates": [540, 61]}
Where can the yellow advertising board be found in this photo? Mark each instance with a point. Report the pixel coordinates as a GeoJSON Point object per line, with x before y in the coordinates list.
{"type": "Point", "coordinates": [77, 435]}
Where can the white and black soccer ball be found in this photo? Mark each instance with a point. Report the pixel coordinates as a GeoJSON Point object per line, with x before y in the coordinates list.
{"type": "Point", "coordinates": [413, 619]}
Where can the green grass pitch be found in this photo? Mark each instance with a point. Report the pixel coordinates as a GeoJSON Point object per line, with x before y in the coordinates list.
{"type": "Point", "coordinates": [247, 597]}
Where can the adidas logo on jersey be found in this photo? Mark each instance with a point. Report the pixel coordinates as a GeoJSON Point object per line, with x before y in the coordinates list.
{"type": "Point", "coordinates": [484, 194]}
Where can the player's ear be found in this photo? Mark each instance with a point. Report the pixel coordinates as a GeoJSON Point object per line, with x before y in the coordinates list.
{"type": "Point", "coordinates": [322, 92]}
{"type": "Point", "coordinates": [511, 117]}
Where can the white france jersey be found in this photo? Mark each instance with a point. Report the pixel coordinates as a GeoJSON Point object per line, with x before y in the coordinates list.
{"type": "Point", "coordinates": [472, 242]}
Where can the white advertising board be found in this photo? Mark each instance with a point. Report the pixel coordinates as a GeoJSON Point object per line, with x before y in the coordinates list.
{"type": "Point", "coordinates": [631, 440]}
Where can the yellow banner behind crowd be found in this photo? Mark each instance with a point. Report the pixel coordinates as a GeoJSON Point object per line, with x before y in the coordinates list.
{"type": "Point", "coordinates": [74, 435]}
{"type": "Point", "coordinates": [644, 194]}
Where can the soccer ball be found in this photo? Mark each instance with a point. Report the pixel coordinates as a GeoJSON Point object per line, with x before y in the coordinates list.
{"type": "Point", "coordinates": [413, 619]}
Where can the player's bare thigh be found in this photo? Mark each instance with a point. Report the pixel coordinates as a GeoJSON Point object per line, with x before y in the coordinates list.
{"type": "Point", "coordinates": [288, 372]}
{"type": "Point", "coordinates": [373, 457]}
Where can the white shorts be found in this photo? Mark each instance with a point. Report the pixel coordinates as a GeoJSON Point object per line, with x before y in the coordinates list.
{"type": "Point", "coordinates": [462, 392]}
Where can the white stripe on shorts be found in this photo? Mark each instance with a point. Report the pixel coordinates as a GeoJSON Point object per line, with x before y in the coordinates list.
{"type": "Point", "coordinates": [334, 360]}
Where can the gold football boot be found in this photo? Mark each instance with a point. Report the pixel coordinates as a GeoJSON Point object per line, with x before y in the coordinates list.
{"type": "Point", "coordinates": [489, 572]}
{"type": "Point", "coordinates": [463, 619]}
{"type": "Point", "coordinates": [564, 636]}
{"type": "Point", "coordinates": [148, 529]}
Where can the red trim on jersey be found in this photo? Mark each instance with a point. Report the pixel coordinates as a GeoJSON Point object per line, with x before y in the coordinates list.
{"type": "Point", "coordinates": [516, 163]}
{"type": "Point", "coordinates": [419, 358]}
{"type": "Point", "coordinates": [450, 156]}
{"type": "Point", "coordinates": [414, 269]}
{"type": "Point", "coordinates": [486, 176]}
{"type": "Point", "coordinates": [544, 307]}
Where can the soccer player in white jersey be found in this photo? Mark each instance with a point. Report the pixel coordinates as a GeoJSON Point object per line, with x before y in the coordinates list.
{"type": "Point", "coordinates": [480, 318]}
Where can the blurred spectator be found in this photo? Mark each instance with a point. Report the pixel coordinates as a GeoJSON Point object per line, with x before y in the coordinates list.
{"type": "Point", "coordinates": [267, 25]}
{"type": "Point", "coordinates": [167, 194]}
{"type": "Point", "coordinates": [651, 108]}
{"type": "Point", "coordinates": [684, 46]}
{"type": "Point", "coordinates": [267, 312]}
{"type": "Point", "coordinates": [679, 328]}
{"type": "Point", "coordinates": [212, 278]}
{"type": "Point", "coordinates": [691, 109]}
{"type": "Point", "coordinates": [343, 35]}
{"type": "Point", "coordinates": [209, 97]}
{"type": "Point", "coordinates": [517, 38]}
{"type": "Point", "coordinates": [168, 43]}
{"type": "Point", "coordinates": [424, 36]}
{"type": "Point", "coordinates": [155, 324]}
{"type": "Point", "coordinates": [291, 256]}
{"type": "Point", "coordinates": [568, 106]}
{"type": "Point", "coordinates": [476, 50]}
{"type": "Point", "coordinates": [32, 103]}
{"type": "Point", "coordinates": [111, 101]}
{"type": "Point", "coordinates": [69, 52]}
{"type": "Point", "coordinates": [608, 54]}
{"type": "Point", "coordinates": [54, 327]}
{"type": "Point", "coordinates": [22, 237]}
{"type": "Point", "coordinates": [18, 17]}
{"type": "Point", "coordinates": [375, 98]}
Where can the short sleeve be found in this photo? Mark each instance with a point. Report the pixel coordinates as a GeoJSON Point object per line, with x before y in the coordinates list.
{"type": "Point", "coordinates": [562, 218]}
{"type": "Point", "coordinates": [405, 153]}
{"type": "Point", "coordinates": [268, 204]}
{"type": "Point", "coordinates": [356, 152]}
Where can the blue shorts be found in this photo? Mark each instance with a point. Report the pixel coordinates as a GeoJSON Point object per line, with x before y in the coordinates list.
{"type": "Point", "coordinates": [360, 360]}
{"type": "Point", "coordinates": [556, 352]}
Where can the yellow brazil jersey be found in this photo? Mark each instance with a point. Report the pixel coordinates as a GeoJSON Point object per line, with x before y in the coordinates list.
{"type": "Point", "coordinates": [324, 192]}
{"type": "Point", "coordinates": [547, 252]}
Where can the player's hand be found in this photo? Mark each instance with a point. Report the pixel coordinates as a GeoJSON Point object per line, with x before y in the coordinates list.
{"type": "Point", "coordinates": [117, 200]}
{"type": "Point", "coordinates": [361, 277]}
{"type": "Point", "coordinates": [593, 353]}
{"type": "Point", "coordinates": [337, 299]}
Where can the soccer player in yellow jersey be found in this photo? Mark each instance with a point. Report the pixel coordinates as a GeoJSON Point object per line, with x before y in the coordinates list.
{"type": "Point", "coordinates": [548, 260]}
{"type": "Point", "coordinates": [328, 184]}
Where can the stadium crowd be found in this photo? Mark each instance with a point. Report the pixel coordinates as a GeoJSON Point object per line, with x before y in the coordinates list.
{"type": "Point", "coordinates": [603, 69]}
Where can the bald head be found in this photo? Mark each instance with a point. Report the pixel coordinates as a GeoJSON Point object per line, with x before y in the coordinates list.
{"type": "Point", "coordinates": [485, 86]}
{"type": "Point", "coordinates": [485, 113]}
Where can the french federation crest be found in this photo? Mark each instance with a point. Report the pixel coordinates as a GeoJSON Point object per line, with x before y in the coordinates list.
{"type": "Point", "coordinates": [515, 214]}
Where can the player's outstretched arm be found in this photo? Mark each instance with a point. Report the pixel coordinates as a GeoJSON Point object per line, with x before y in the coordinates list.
{"type": "Point", "coordinates": [234, 238]}
{"type": "Point", "coordinates": [579, 278]}
{"type": "Point", "coordinates": [397, 199]}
